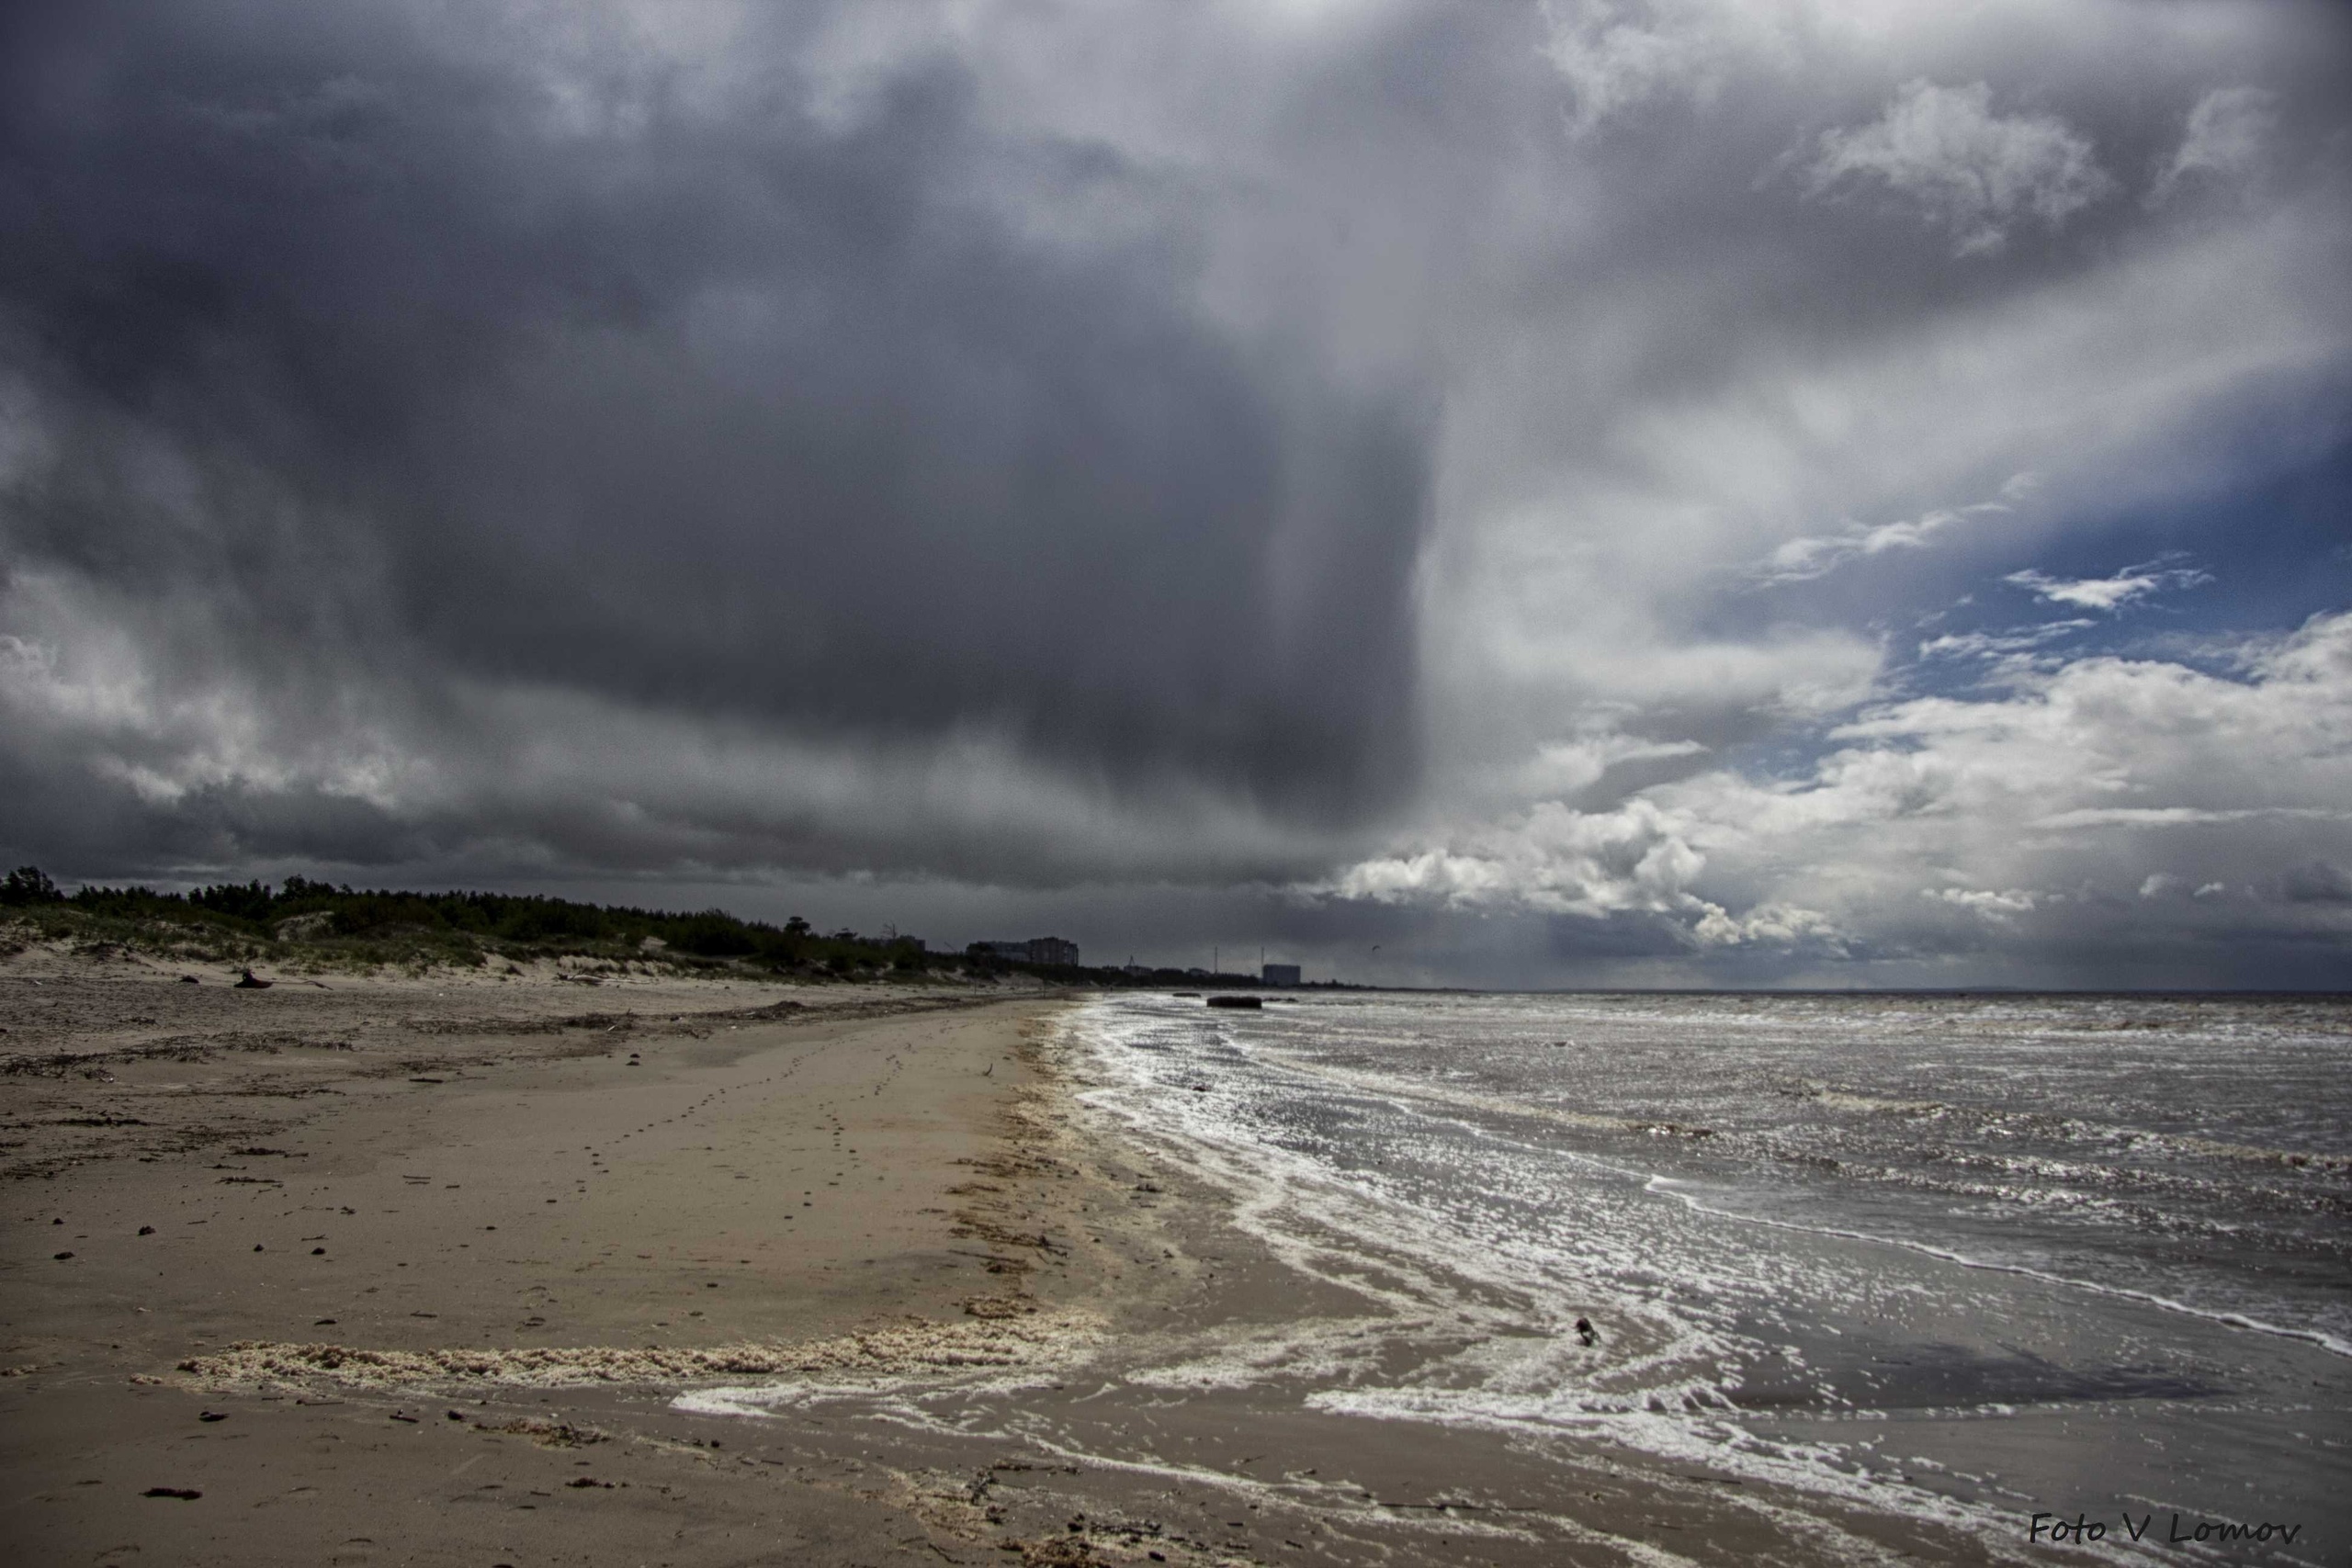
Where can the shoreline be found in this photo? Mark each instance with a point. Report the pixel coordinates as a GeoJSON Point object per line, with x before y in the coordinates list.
{"type": "Point", "coordinates": [854, 1281]}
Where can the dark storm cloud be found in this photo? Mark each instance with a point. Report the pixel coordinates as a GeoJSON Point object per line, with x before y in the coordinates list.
{"type": "Point", "coordinates": [1542, 490]}
{"type": "Point", "coordinates": [368, 355]}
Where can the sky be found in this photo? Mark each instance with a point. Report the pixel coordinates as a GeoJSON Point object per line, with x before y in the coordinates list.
{"type": "Point", "coordinates": [1657, 493]}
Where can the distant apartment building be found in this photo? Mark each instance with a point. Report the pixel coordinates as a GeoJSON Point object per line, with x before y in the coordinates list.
{"type": "Point", "coordinates": [1036, 950]}
{"type": "Point", "coordinates": [1279, 974]}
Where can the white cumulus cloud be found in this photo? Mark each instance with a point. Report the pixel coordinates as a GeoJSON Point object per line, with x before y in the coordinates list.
{"type": "Point", "coordinates": [1616, 54]}
{"type": "Point", "coordinates": [1967, 169]}
{"type": "Point", "coordinates": [1809, 556]}
{"type": "Point", "coordinates": [2100, 782]}
{"type": "Point", "coordinates": [2228, 133]}
{"type": "Point", "coordinates": [2109, 593]}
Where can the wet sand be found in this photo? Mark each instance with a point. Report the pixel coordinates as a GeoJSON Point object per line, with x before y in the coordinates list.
{"type": "Point", "coordinates": [464, 1270]}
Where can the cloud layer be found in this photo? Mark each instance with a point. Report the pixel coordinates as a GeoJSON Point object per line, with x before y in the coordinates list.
{"type": "Point", "coordinates": [1538, 489]}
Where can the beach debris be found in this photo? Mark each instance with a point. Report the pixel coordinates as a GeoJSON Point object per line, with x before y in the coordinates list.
{"type": "Point", "coordinates": [190, 980]}
{"type": "Point", "coordinates": [63, 1256]}
{"type": "Point", "coordinates": [146, 1230]}
{"type": "Point", "coordinates": [184, 1494]}
{"type": "Point", "coordinates": [1237, 1001]}
{"type": "Point", "coordinates": [913, 1346]}
{"type": "Point", "coordinates": [1586, 1332]}
{"type": "Point", "coordinates": [246, 981]}
{"type": "Point", "coordinates": [547, 1434]}
{"type": "Point", "coordinates": [212, 1415]}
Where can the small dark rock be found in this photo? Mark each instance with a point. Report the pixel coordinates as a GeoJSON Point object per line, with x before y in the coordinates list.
{"type": "Point", "coordinates": [184, 1494]}
{"type": "Point", "coordinates": [146, 1230]}
{"type": "Point", "coordinates": [212, 1415]}
{"type": "Point", "coordinates": [63, 1256]}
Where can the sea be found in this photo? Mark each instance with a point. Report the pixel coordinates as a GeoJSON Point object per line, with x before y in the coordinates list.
{"type": "Point", "coordinates": [2023, 1262]}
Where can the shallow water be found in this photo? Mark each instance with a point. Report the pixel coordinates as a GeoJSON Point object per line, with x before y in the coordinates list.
{"type": "Point", "coordinates": [1974, 1256]}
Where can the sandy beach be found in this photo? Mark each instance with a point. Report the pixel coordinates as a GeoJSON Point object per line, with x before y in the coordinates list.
{"type": "Point", "coordinates": [530, 1186]}
{"type": "Point", "coordinates": [471, 1269]}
